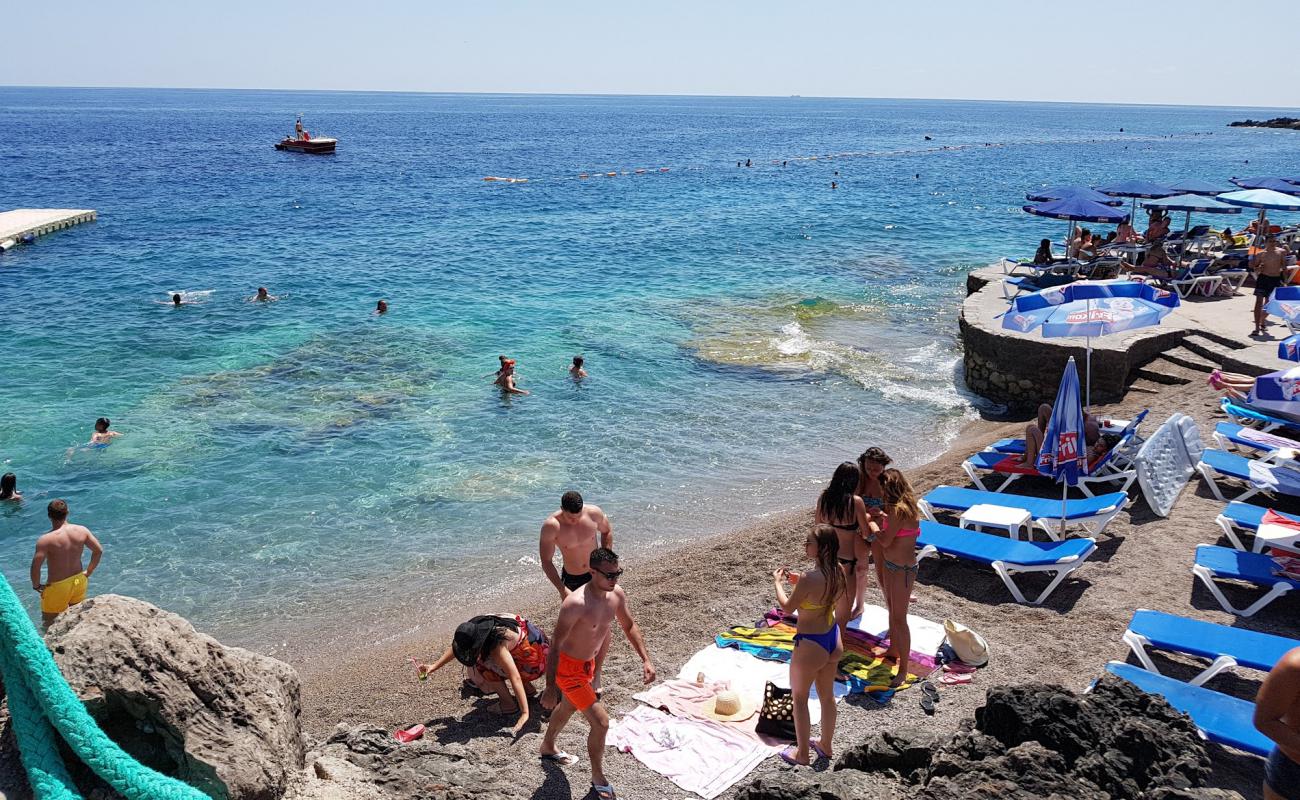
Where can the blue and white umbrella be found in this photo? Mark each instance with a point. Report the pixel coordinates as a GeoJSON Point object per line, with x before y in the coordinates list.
{"type": "Point", "coordinates": [1188, 203]}
{"type": "Point", "coordinates": [1274, 184]}
{"type": "Point", "coordinates": [1264, 200]}
{"type": "Point", "coordinates": [1137, 189]}
{"type": "Point", "coordinates": [1277, 393]}
{"type": "Point", "coordinates": [1289, 348]}
{"type": "Point", "coordinates": [1064, 455]}
{"type": "Point", "coordinates": [1284, 302]}
{"type": "Point", "coordinates": [1088, 309]}
{"type": "Point", "coordinates": [1076, 209]}
{"type": "Point", "coordinates": [1196, 186]}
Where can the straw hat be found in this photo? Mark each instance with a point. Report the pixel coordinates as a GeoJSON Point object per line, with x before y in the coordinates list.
{"type": "Point", "coordinates": [969, 646]}
{"type": "Point", "coordinates": [727, 706]}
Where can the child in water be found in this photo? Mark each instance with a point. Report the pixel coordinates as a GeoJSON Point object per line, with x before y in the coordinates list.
{"type": "Point", "coordinates": [102, 434]}
{"type": "Point", "coordinates": [9, 488]}
{"type": "Point", "coordinates": [576, 371]}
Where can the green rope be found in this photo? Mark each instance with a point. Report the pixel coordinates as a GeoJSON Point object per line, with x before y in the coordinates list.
{"type": "Point", "coordinates": [41, 703]}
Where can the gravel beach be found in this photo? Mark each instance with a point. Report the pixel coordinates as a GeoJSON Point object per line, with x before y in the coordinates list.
{"type": "Point", "coordinates": [686, 596]}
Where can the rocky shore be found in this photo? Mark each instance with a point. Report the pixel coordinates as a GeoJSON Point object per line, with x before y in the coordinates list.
{"type": "Point", "coordinates": [1276, 122]}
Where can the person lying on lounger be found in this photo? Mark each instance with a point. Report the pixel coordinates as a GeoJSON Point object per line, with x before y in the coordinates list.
{"type": "Point", "coordinates": [1034, 433]}
{"type": "Point", "coordinates": [1233, 385]}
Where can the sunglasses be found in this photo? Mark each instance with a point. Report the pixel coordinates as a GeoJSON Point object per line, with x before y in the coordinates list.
{"type": "Point", "coordinates": [609, 576]}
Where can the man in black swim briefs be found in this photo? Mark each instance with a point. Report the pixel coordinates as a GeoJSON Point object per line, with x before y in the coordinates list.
{"type": "Point", "coordinates": [576, 529]}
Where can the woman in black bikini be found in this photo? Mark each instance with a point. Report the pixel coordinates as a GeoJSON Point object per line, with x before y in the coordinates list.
{"type": "Point", "coordinates": [844, 511]}
{"type": "Point", "coordinates": [870, 464]}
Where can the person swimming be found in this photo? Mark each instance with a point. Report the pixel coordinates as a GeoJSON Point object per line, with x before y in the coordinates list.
{"type": "Point", "coordinates": [381, 307]}
{"type": "Point", "coordinates": [9, 488]}
{"type": "Point", "coordinates": [506, 378]}
{"type": "Point", "coordinates": [263, 296]}
{"type": "Point", "coordinates": [576, 371]}
{"type": "Point", "coordinates": [102, 434]}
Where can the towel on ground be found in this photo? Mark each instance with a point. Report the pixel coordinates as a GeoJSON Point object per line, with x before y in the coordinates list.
{"type": "Point", "coordinates": [747, 675]}
{"type": "Point", "coordinates": [701, 756]}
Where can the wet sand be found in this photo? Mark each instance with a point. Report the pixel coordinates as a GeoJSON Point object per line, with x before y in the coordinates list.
{"type": "Point", "coordinates": [684, 597]}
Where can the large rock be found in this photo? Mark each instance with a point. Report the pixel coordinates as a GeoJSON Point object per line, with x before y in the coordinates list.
{"type": "Point", "coordinates": [904, 753]}
{"type": "Point", "coordinates": [221, 718]}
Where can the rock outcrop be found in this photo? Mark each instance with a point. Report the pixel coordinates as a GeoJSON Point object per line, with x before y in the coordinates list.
{"type": "Point", "coordinates": [1276, 122]}
{"type": "Point", "coordinates": [1028, 743]}
{"type": "Point", "coordinates": [223, 719]}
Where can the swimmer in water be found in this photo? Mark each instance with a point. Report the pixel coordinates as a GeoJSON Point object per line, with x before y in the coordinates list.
{"type": "Point", "coordinates": [576, 371]}
{"type": "Point", "coordinates": [9, 488]}
{"type": "Point", "coordinates": [177, 301]}
{"type": "Point", "coordinates": [506, 380]}
{"type": "Point", "coordinates": [381, 307]}
{"type": "Point", "coordinates": [102, 434]}
{"type": "Point", "coordinates": [262, 296]}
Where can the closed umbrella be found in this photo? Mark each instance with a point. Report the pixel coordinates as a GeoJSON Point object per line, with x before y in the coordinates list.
{"type": "Point", "coordinates": [1264, 200]}
{"type": "Point", "coordinates": [1088, 309]}
{"type": "Point", "coordinates": [1188, 203]}
{"type": "Point", "coordinates": [1277, 393]}
{"type": "Point", "coordinates": [1285, 303]}
{"type": "Point", "coordinates": [1289, 348]}
{"type": "Point", "coordinates": [1064, 455]}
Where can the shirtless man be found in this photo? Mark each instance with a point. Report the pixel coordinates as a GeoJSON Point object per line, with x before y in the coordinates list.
{"type": "Point", "coordinates": [102, 434]}
{"type": "Point", "coordinates": [574, 529]}
{"type": "Point", "coordinates": [1277, 716]}
{"type": "Point", "coordinates": [60, 550]}
{"type": "Point", "coordinates": [576, 371]}
{"type": "Point", "coordinates": [581, 631]}
{"type": "Point", "coordinates": [1268, 276]}
{"type": "Point", "coordinates": [506, 378]}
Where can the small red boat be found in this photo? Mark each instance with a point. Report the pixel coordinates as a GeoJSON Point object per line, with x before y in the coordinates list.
{"type": "Point", "coordinates": [303, 142]}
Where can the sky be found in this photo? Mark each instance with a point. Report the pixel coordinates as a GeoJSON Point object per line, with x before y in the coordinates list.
{"type": "Point", "coordinates": [1154, 51]}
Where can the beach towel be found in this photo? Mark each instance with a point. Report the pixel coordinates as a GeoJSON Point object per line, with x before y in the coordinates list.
{"type": "Point", "coordinates": [865, 671]}
{"type": "Point", "coordinates": [745, 674]}
{"type": "Point", "coordinates": [927, 635]}
{"type": "Point", "coordinates": [684, 698]}
{"type": "Point", "coordinates": [702, 756]}
{"type": "Point", "coordinates": [1274, 478]}
{"type": "Point", "coordinates": [1267, 440]}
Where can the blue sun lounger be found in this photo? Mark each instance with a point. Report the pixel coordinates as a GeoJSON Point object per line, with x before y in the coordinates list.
{"type": "Point", "coordinates": [1225, 647]}
{"type": "Point", "coordinates": [1092, 514]}
{"type": "Point", "coordinates": [1216, 464]}
{"type": "Point", "coordinates": [1244, 517]}
{"type": "Point", "coordinates": [1219, 717]}
{"type": "Point", "coordinates": [1224, 562]}
{"type": "Point", "coordinates": [1229, 436]}
{"type": "Point", "coordinates": [1259, 419]}
{"type": "Point", "coordinates": [1006, 556]}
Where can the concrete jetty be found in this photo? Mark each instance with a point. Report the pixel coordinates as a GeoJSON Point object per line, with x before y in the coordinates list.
{"type": "Point", "coordinates": [40, 221]}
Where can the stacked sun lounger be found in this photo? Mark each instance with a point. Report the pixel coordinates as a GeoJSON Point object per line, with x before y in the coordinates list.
{"type": "Point", "coordinates": [1259, 475]}
{"type": "Point", "coordinates": [1092, 514]}
{"type": "Point", "coordinates": [1253, 417]}
{"type": "Point", "coordinates": [1240, 517]}
{"type": "Point", "coordinates": [1219, 717]}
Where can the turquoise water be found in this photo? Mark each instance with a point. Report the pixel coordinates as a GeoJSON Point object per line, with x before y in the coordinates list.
{"type": "Point", "coordinates": [745, 328]}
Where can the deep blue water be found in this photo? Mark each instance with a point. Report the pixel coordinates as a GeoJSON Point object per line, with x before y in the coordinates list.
{"type": "Point", "coordinates": [746, 328]}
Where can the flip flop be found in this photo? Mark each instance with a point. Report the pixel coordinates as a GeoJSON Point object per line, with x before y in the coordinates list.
{"type": "Point", "coordinates": [930, 691]}
{"type": "Point", "coordinates": [787, 755]}
{"type": "Point", "coordinates": [959, 667]}
{"type": "Point", "coordinates": [927, 705]}
{"type": "Point", "coordinates": [605, 792]}
{"type": "Point", "coordinates": [817, 748]}
{"type": "Point", "coordinates": [409, 735]}
{"type": "Point", "coordinates": [956, 678]}
{"type": "Point", "coordinates": [561, 758]}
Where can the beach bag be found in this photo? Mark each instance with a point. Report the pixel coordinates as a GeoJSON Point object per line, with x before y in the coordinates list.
{"type": "Point", "coordinates": [776, 717]}
{"type": "Point", "coordinates": [969, 646]}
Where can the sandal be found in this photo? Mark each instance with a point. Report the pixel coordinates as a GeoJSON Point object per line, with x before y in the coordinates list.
{"type": "Point", "coordinates": [604, 792]}
{"type": "Point", "coordinates": [927, 705]}
{"type": "Point", "coordinates": [930, 690]}
{"type": "Point", "coordinates": [409, 735]}
{"type": "Point", "coordinates": [817, 748]}
{"type": "Point", "coordinates": [959, 667]}
{"type": "Point", "coordinates": [560, 758]}
{"type": "Point", "coordinates": [787, 755]}
{"type": "Point", "coordinates": [956, 678]}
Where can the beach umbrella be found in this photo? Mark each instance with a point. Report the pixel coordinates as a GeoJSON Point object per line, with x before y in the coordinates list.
{"type": "Point", "coordinates": [1276, 184]}
{"type": "Point", "coordinates": [1071, 193]}
{"type": "Point", "coordinates": [1137, 189]}
{"type": "Point", "coordinates": [1277, 393]}
{"type": "Point", "coordinates": [1088, 309]}
{"type": "Point", "coordinates": [1284, 302]}
{"type": "Point", "coordinates": [1075, 209]}
{"type": "Point", "coordinates": [1064, 455]}
{"type": "Point", "coordinates": [1188, 203]}
{"type": "Point", "coordinates": [1196, 186]}
{"type": "Point", "coordinates": [1264, 200]}
{"type": "Point", "coordinates": [1289, 348]}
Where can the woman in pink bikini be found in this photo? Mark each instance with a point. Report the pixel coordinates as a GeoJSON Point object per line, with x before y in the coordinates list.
{"type": "Point", "coordinates": [897, 539]}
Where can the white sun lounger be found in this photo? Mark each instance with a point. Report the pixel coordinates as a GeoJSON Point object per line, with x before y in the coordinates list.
{"type": "Point", "coordinates": [1224, 562]}
{"type": "Point", "coordinates": [1092, 514]}
{"type": "Point", "coordinates": [1226, 647]}
{"type": "Point", "coordinates": [1007, 556]}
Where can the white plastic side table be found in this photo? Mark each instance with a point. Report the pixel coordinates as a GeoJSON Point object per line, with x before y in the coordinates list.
{"type": "Point", "coordinates": [1011, 520]}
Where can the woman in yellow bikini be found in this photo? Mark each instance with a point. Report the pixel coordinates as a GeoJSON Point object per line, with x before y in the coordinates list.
{"type": "Point", "coordinates": [817, 645]}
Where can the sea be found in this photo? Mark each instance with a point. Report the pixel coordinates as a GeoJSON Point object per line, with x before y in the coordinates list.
{"type": "Point", "coordinates": [761, 288]}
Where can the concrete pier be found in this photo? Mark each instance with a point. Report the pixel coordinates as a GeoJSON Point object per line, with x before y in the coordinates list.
{"type": "Point", "coordinates": [40, 221]}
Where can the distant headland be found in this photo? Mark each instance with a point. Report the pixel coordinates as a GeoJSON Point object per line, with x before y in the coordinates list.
{"type": "Point", "coordinates": [1277, 122]}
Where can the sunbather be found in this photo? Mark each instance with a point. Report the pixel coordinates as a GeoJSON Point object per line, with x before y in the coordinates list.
{"type": "Point", "coordinates": [1157, 263]}
{"type": "Point", "coordinates": [1043, 255]}
{"type": "Point", "coordinates": [844, 511]}
{"type": "Point", "coordinates": [1158, 228]}
{"type": "Point", "coordinates": [897, 537]}
{"type": "Point", "coordinates": [817, 643]}
{"type": "Point", "coordinates": [871, 464]}
{"type": "Point", "coordinates": [1124, 233]}
{"type": "Point", "coordinates": [1277, 716]}
{"type": "Point", "coordinates": [1034, 433]}
{"type": "Point", "coordinates": [503, 655]}
{"type": "Point", "coordinates": [1233, 385]}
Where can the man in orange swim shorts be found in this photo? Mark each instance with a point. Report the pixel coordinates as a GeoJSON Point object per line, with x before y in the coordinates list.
{"type": "Point", "coordinates": [582, 628]}
{"type": "Point", "coordinates": [60, 550]}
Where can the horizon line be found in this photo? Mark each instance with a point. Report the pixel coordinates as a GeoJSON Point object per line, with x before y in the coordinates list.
{"type": "Point", "coordinates": [662, 94]}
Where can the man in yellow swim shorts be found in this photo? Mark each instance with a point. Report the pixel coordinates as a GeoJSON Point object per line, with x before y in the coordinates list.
{"type": "Point", "coordinates": [60, 551]}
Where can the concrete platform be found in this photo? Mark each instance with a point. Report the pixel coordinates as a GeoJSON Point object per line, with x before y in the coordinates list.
{"type": "Point", "coordinates": [40, 221]}
{"type": "Point", "coordinates": [1022, 369]}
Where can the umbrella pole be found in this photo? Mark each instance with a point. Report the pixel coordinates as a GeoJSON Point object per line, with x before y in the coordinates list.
{"type": "Point", "coordinates": [1065, 488]}
{"type": "Point", "coordinates": [1088, 392]}
{"type": "Point", "coordinates": [1259, 228]}
{"type": "Point", "coordinates": [1187, 225]}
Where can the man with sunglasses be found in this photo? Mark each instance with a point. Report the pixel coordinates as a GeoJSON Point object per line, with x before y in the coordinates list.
{"type": "Point", "coordinates": [581, 631]}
